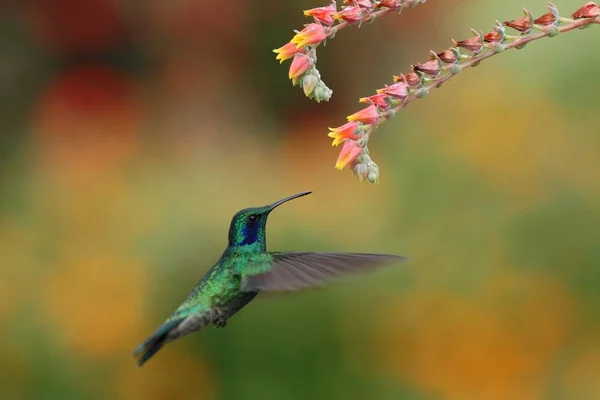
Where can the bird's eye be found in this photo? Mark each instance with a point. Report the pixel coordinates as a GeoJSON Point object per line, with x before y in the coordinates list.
{"type": "Point", "coordinates": [252, 218]}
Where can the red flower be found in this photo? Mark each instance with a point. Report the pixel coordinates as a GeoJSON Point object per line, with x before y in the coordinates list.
{"type": "Point", "coordinates": [379, 99]}
{"type": "Point", "coordinates": [545, 19]}
{"type": "Point", "coordinates": [520, 24]}
{"type": "Point", "coordinates": [590, 10]}
{"type": "Point", "coordinates": [311, 34]}
{"type": "Point", "coordinates": [322, 14]}
{"type": "Point", "coordinates": [492, 37]}
{"type": "Point", "coordinates": [412, 79]}
{"type": "Point", "coordinates": [473, 44]}
{"type": "Point", "coordinates": [448, 56]}
{"type": "Point", "coordinates": [368, 115]}
{"type": "Point", "coordinates": [398, 90]}
{"type": "Point", "coordinates": [431, 67]}
{"type": "Point", "coordinates": [366, 4]}
{"type": "Point", "coordinates": [299, 66]}
{"type": "Point", "coordinates": [287, 51]}
{"type": "Point", "coordinates": [350, 151]}
{"type": "Point", "coordinates": [346, 131]}
{"type": "Point", "coordinates": [349, 14]}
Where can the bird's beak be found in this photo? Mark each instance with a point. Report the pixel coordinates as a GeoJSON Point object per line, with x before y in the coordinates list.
{"type": "Point", "coordinates": [292, 197]}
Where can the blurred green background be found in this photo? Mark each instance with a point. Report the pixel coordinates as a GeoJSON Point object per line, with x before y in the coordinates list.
{"type": "Point", "coordinates": [133, 131]}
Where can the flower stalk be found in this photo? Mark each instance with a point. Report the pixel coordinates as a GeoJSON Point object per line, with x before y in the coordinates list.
{"type": "Point", "coordinates": [327, 22]}
{"type": "Point", "coordinates": [439, 68]}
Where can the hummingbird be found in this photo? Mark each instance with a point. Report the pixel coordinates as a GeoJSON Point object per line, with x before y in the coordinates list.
{"type": "Point", "coordinates": [246, 268]}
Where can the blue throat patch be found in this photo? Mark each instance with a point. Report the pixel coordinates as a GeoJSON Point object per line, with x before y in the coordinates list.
{"type": "Point", "coordinates": [250, 234]}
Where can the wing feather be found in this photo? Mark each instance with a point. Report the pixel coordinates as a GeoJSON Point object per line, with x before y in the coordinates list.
{"type": "Point", "coordinates": [302, 270]}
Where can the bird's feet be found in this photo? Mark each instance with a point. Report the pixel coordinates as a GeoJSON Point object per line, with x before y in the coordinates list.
{"type": "Point", "coordinates": [219, 320]}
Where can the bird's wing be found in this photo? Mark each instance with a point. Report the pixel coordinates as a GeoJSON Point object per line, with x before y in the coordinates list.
{"type": "Point", "coordinates": [294, 271]}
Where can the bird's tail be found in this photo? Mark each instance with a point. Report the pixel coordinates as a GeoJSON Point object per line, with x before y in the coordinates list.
{"type": "Point", "coordinates": [155, 342]}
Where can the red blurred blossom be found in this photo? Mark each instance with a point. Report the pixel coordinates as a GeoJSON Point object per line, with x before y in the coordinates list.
{"type": "Point", "coordinates": [473, 44]}
{"type": "Point", "coordinates": [546, 19]}
{"type": "Point", "coordinates": [350, 151]}
{"type": "Point", "coordinates": [397, 90]}
{"type": "Point", "coordinates": [300, 64]}
{"type": "Point", "coordinates": [350, 14]}
{"type": "Point", "coordinates": [590, 10]}
{"type": "Point", "coordinates": [520, 24]}
{"type": "Point", "coordinates": [492, 37]}
{"type": "Point", "coordinates": [287, 51]}
{"type": "Point", "coordinates": [311, 34]}
{"type": "Point", "coordinates": [346, 131]}
{"type": "Point", "coordinates": [368, 115]}
{"type": "Point", "coordinates": [322, 14]}
{"type": "Point", "coordinates": [88, 118]}
{"type": "Point", "coordinates": [75, 25]}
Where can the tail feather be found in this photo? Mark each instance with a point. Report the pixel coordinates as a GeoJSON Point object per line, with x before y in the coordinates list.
{"type": "Point", "coordinates": [154, 343]}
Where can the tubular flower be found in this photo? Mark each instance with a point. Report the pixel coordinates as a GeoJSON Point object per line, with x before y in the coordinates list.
{"type": "Point", "coordinates": [368, 115]}
{"type": "Point", "coordinates": [397, 90]}
{"type": "Point", "coordinates": [346, 131]}
{"type": "Point", "coordinates": [380, 100]}
{"type": "Point", "coordinates": [350, 14]}
{"type": "Point", "coordinates": [300, 64]}
{"type": "Point", "coordinates": [287, 51]}
{"type": "Point", "coordinates": [366, 4]}
{"type": "Point", "coordinates": [311, 34]}
{"type": "Point", "coordinates": [590, 10]}
{"type": "Point", "coordinates": [350, 151]}
{"type": "Point", "coordinates": [322, 14]}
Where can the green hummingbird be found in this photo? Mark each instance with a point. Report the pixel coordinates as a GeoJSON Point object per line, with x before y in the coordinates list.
{"type": "Point", "coordinates": [246, 268]}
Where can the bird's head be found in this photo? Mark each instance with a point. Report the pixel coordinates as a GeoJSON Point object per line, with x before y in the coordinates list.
{"type": "Point", "coordinates": [248, 226]}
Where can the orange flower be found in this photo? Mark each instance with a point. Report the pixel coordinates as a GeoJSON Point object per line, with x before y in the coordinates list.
{"type": "Point", "coordinates": [368, 115]}
{"type": "Point", "coordinates": [287, 51]}
{"type": "Point", "coordinates": [322, 14]}
{"type": "Point", "coordinates": [311, 34]}
{"type": "Point", "coordinates": [590, 10]}
{"type": "Point", "coordinates": [349, 14]}
{"type": "Point", "coordinates": [349, 153]}
{"type": "Point", "coordinates": [346, 131]}
{"type": "Point", "coordinates": [300, 64]}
